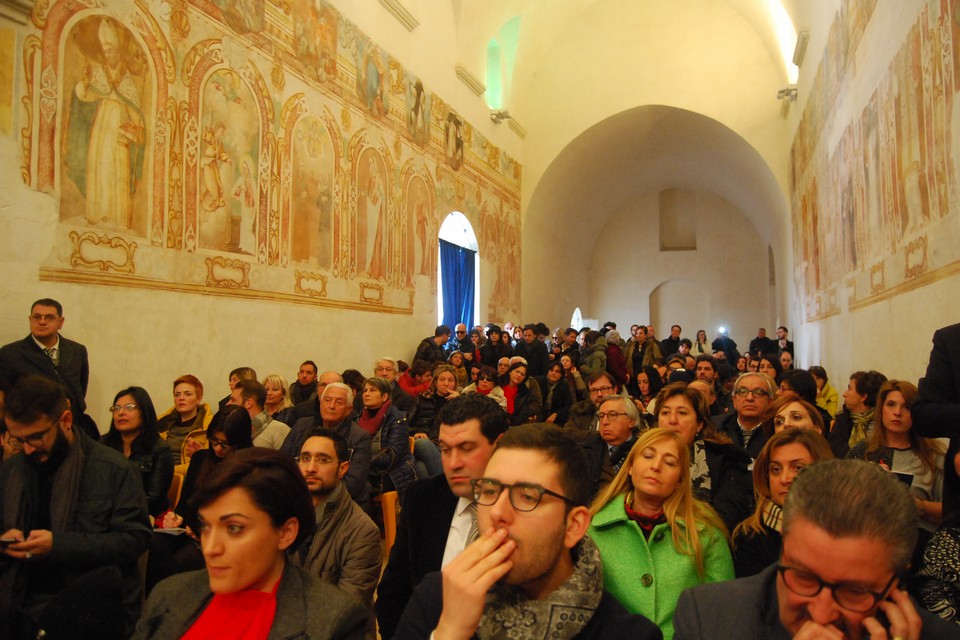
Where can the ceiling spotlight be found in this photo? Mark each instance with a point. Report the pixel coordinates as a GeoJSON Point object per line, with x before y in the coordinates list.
{"type": "Point", "coordinates": [499, 116]}
{"type": "Point", "coordinates": [789, 93]}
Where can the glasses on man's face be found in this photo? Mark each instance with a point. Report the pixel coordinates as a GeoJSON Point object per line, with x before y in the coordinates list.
{"type": "Point", "coordinates": [49, 317]}
{"type": "Point", "coordinates": [461, 333]}
{"type": "Point", "coordinates": [35, 440]}
{"type": "Point", "coordinates": [601, 390]}
{"type": "Point", "coordinates": [217, 442]}
{"type": "Point", "coordinates": [849, 596]}
{"type": "Point", "coordinates": [524, 496]}
{"type": "Point", "coordinates": [130, 406]}
{"type": "Point", "coordinates": [611, 415]}
{"type": "Point", "coordinates": [743, 392]}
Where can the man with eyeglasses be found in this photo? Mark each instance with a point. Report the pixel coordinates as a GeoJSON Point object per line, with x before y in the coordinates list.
{"type": "Point", "coordinates": [68, 506]}
{"type": "Point", "coordinates": [439, 514]}
{"type": "Point", "coordinates": [344, 548]}
{"type": "Point", "coordinates": [532, 568]}
{"type": "Point", "coordinates": [47, 353]}
{"type": "Point", "coordinates": [336, 406]}
{"type": "Point", "coordinates": [619, 424]}
{"type": "Point", "coordinates": [752, 394]}
{"type": "Point", "coordinates": [849, 528]}
{"type": "Point", "coordinates": [583, 414]}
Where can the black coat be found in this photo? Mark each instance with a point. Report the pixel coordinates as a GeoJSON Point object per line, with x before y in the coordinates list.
{"type": "Point", "coordinates": [754, 552]}
{"type": "Point", "coordinates": [422, 531]}
{"type": "Point", "coordinates": [560, 401]}
{"type": "Point", "coordinates": [936, 412]}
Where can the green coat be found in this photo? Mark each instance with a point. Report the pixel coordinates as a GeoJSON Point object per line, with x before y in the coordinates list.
{"type": "Point", "coordinates": [647, 577]}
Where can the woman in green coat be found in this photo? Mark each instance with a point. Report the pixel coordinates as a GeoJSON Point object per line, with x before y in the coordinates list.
{"type": "Point", "coordinates": [655, 539]}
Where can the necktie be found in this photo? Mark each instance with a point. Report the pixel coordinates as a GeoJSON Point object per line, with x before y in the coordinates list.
{"type": "Point", "coordinates": [474, 531]}
{"type": "Point", "coordinates": [52, 354]}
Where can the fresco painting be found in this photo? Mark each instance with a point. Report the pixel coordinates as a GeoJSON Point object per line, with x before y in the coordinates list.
{"type": "Point", "coordinates": [889, 184]}
{"type": "Point", "coordinates": [160, 136]}
{"type": "Point", "coordinates": [103, 146]}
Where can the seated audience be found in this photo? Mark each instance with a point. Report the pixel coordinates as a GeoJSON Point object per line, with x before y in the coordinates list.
{"type": "Point", "coordinates": [655, 538]}
{"type": "Point", "coordinates": [827, 397]}
{"type": "Point", "coordinates": [278, 397]}
{"type": "Point", "coordinates": [593, 356]}
{"type": "Point", "coordinates": [917, 461]}
{"type": "Point", "coordinates": [571, 374]}
{"type": "Point", "coordinates": [229, 432]}
{"type": "Point", "coordinates": [620, 424]}
{"type": "Point", "coordinates": [616, 364]}
{"type": "Point", "coordinates": [801, 384]}
{"type": "Point", "coordinates": [133, 432]}
{"type": "Point", "coordinates": [720, 472]}
{"type": "Point", "coordinates": [770, 365]}
{"type": "Point", "coordinates": [644, 389]}
{"type": "Point", "coordinates": [417, 378]}
{"type": "Point", "coordinates": [790, 411]}
{"type": "Point", "coordinates": [430, 349]}
{"type": "Point", "coordinates": [752, 395]}
{"type": "Point", "coordinates": [555, 393]}
{"type": "Point", "coordinates": [854, 422]}
{"type": "Point", "coordinates": [335, 408]}
{"type": "Point", "coordinates": [68, 507]}
{"type": "Point", "coordinates": [236, 376]}
{"type": "Point", "coordinates": [486, 385]}
{"type": "Point", "coordinates": [390, 369]}
{"type": "Point", "coordinates": [522, 394]}
{"type": "Point", "coordinates": [425, 423]}
{"type": "Point", "coordinates": [184, 427]}
{"type": "Point", "coordinates": [848, 531]}
{"type": "Point", "coordinates": [583, 414]}
{"type": "Point", "coordinates": [267, 432]}
{"type": "Point", "coordinates": [391, 464]}
{"type": "Point", "coordinates": [756, 540]}
{"type": "Point", "coordinates": [305, 386]}
{"type": "Point", "coordinates": [259, 501]}
{"type": "Point", "coordinates": [937, 580]}
{"type": "Point", "coordinates": [532, 568]}
{"type": "Point", "coordinates": [455, 360]}
{"type": "Point", "coordinates": [344, 547]}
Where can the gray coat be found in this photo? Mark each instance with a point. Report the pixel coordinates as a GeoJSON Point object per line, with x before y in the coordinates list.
{"type": "Point", "coordinates": [307, 609]}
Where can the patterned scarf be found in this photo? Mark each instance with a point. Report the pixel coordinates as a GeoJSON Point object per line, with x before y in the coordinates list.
{"type": "Point", "coordinates": [862, 425]}
{"type": "Point", "coordinates": [510, 615]}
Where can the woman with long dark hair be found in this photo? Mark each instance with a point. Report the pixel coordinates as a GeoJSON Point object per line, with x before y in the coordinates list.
{"type": "Point", "coordinates": [133, 432]}
{"type": "Point", "coordinates": [523, 399]}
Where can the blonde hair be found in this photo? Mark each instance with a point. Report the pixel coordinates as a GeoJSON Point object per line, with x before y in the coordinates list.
{"type": "Point", "coordinates": [682, 510]}
{"type": "Point", "coordinates": [277, 379]}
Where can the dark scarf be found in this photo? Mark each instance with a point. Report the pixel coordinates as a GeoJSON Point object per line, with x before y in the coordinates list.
{"type": "Point", "coordinates": [646, 523]}
{"type": "Point", "coordinates": [371, 421]}
{"type": "Point", "coordinates": [510, 615]}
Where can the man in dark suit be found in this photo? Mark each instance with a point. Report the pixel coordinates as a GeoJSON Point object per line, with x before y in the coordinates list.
{"type": "Point", "coordinates": [936, 413]}
{"type": "Point", "coordinates": [46, 353]}
{"type": "Point", "coordinates": [782, 343]}
{"type": "Point", "coordinates": [438, 518]}
{"type": "Point", "coordinates": [849, 528]}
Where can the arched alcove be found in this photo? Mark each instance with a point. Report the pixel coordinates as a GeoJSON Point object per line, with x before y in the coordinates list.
{"type": "Point", "coordinates": [680, 301]}
{"type": "Point", "coordinates": [458, 231]}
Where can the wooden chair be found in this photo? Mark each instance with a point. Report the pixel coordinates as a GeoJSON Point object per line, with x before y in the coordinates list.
{"type": "Point", "coordinates": [176, 486]}
{"type": "Point", "coordinates": [388, 506]}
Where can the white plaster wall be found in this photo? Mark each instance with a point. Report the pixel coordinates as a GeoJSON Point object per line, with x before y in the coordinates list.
{"type": "Point", "coordinates": [728, 268]}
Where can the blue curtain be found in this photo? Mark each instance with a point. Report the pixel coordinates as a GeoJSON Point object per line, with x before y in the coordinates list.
{"type": "Point", "coordinates": [457, 270]}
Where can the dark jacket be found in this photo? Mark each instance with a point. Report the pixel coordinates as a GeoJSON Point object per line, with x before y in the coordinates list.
{"type": "Point", "coordinates": [155, 465]}
{"type": "Point", "coordinates": [102, 522]}
{"type": "Point", "coordinates": [731, 482]}
{"type": "Point", "coordinates": [936, 412]}
{"type": "Point", "coordinates": [748, 608]}
{"type": "Point", "coordinates": [560, 401]}
{"type": "Point", "coordinates": [491, 353]}
{"type": "Point", "coordinates": [393, 457]}
{"type": "Point", "coordinates": [604, 462]}
{"type": "Point", "coordinates": [430, 351]}
{"type": "Point", "coordinates": [616, 364]}
{"type": "Point", "coordinates": [608, 621]}
{"type": "Point", "coordinates": [536, 354]}
{"type": "Point", "coordinates": [26, 358]}
{"type": "Point", "coordinates": [307, 609]}
{"type": "Point", "coordinates": [359, 442]}
{"type": "Point", "coordinates": [422, 531]}
{"type": "Point", "coordinates": [301, 393]}
{"type": "Point", "coordinates": [754, 552]}
{"type": "Point", "coordinates": [527, 403]}
{"type": "Point", "coordinates": [426, 419]}
{"type": "Point", "coordinates": [583, 416]}
{"type": "Point", "coordinates": [728, 424]}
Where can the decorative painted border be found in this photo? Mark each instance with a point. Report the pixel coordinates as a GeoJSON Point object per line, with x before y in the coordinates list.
{"type": "Point", "coordinates": [90, 241]}
{"type": "Point", "coordinates": [371, 293]}
{"type": "Point", "coordinates": [303, 276]}
{"type": "Point", "coordinates": [228, 273]}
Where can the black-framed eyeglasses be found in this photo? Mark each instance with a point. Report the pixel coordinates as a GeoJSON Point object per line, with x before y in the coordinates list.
{"type": "Point", "coordinates": [524, 496]}
{"type": "Point", "coordinates": [613, 415]}
{"type": "Point", "coordinates": [34, 439]}
{"type": "Point", "coordinates": [601, 390]}
{"type": "Point", "coordinates": [217, 442]}
{"type": "Point", "coordinates": [743, 392]}
{"type": "Point", "coordinates": [849, 596]}
{"type": "Point", "coordinates": [130, 406]}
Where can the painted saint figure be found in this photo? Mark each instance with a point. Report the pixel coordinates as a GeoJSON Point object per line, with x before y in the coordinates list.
{"type": "Point", "coordinates": [105, 141]}
{"type": "Point", "coordinates": [374, 204]}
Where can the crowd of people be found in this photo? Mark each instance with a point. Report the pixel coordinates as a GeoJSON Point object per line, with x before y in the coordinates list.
{"type": "Point", "coordinates": [639, 474]}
